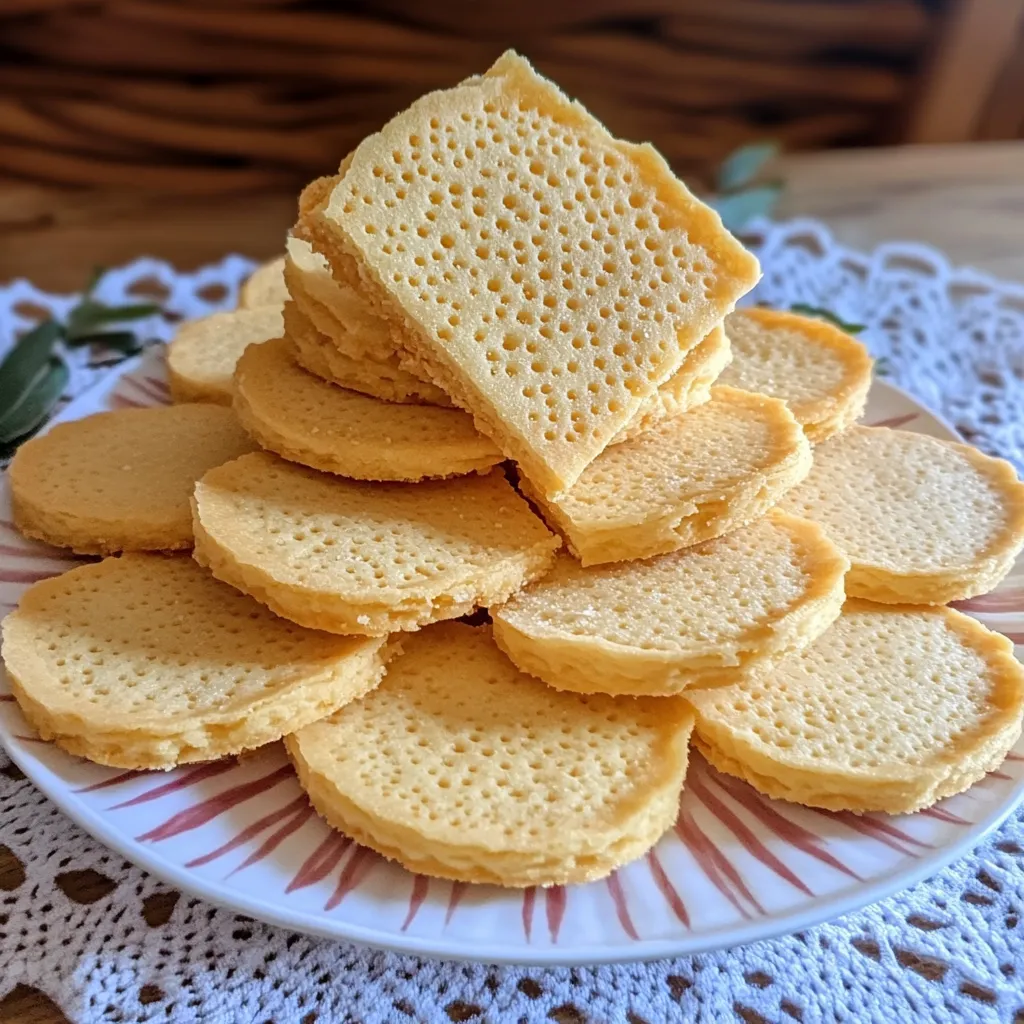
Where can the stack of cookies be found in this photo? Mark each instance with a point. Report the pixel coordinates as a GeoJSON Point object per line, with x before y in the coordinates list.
{"type": "Point", "coordinates": [499, 369]}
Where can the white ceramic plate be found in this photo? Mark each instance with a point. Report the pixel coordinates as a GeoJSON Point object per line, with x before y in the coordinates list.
{"type": "Point", "coordinates": [736, 867]}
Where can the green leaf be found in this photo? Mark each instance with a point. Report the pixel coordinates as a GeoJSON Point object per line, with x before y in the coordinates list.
{"type": "Point", "coordinates": [83, 318]}
{"type": "Point", "coordinates": [741, 166]}
{"type": "Point", "coordinates": [26, 360]}
{"type": "Point", "coordinates": [827, 314]}
{"type": "Point", "coordinates": [30, 412]}
{"type": "Point", "coordinates": [133, 311]}
{"type": "Point", "coordinates": [88, 316]}
{"type": "Point", "coordinates": [739, 208]}
{"type": "Point", "coordinates": [883, 368]}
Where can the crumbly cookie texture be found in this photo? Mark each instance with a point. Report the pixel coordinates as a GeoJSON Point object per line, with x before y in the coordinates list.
{"type": "Point", "coordinates": [265, 286]}
{"type": "Point", "coordinates": [146, 661]}
{"type": "Point", "coordinates": [121, 481]}
{"type": "Point", "coordinates": [687, 480]}
{"type": "Point", "coordinates": [723, 610]}
{"type": "Point", "coordinates": [304, 419]}
{"type": "Point", "coordinates": [891, 710]}
{"type": "Point", "coordinates": [354, 557]}
{"type": "Point", "coordinates": [922, 521]}
{"type": "Point", "coordinates": [550, 299]}
{"type": "Point", "coordinates": [821, 372]}
{"type": "Point", "coordinates": [461, 767]}
{"type": "Point", "coordinates": [201, 359]}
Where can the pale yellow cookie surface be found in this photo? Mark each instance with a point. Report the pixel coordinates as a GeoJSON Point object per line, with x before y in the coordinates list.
{"type": "Point", "coordinates": [689, 479]}
{"type": "Point", "coordinates": [265, 286]}
{"type": "Point", "coordinates": [550, 298]}
{"type": "Point", "coordinates": [723, 610]}
{"type": "Point", "coordinates": [892, 709]}
{"type": "Point", "coordinates": [121, 481]}
{"type": "Point", "coordinates": [922, 521]}
{"type": "Point", "coordinates": [331, 357]}
{"type": "Point", "coordinates": [821, 372]}
{"type": "Point", "coordinates": [201, 359]}
{"type": "Point", "coordinates": [307, 420]}
{"type": "Point", "coordinates": [687, 388]}
{"type": "Point", "coordinates": [146, 661]}
{"type": "Point", "coordinates": [355, 557]}
{"type": "Point", "coordinates": [460, 766]}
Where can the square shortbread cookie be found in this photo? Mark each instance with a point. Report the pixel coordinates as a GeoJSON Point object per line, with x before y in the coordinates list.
{"type": "Point", "coordinates": [548, 276]}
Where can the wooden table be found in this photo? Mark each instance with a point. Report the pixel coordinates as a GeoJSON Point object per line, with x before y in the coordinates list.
{"type": "Point", "coordinates": [967, 200]}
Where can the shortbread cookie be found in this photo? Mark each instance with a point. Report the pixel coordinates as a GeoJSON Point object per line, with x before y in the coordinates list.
{"type": "Point", "coordinates": [201, 359]}
{"type": "Point", "coordinates": [146, 661]}
{"type": "Point", "coordinates": [891, 710]}
{"type": "Point", "coordinates": [687, 388]}
{"type": "Point", "coordinates": [330, 357]}
{"type": "Point", "coordinates": [727, 609]}
{"type": "Point", "coordinates": [121, 481]}
{"type": "Point", "coordinates": [304, 419]}
{"type": "Point", "coordinates": [922, 521]}
{"type": "Point", "coordinates": [265, 286]}
{"type": "Point", "coordinates": [688, 479]}
{"type": "Point", "coordinates": [335, 316]}
{"type": "Point", "coordinates": [461, 767]}
{"type": "Point", "coordinates": [354, 557]}
{"type": "Point", "coordinates": [340, 337]}
{"type": "Point", "coordinates": [821, 373]}
{"type": "Point", "coordinates": [546, 275]}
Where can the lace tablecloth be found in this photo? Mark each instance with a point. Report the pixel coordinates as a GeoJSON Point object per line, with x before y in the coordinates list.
{"type": "Point", "coordinates": [122, 947]}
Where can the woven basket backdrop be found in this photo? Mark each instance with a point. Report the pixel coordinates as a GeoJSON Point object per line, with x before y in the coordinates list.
{"type": "Point", "coordinates": [195, 96]}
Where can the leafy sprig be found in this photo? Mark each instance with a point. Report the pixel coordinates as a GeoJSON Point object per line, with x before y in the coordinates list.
{"type": "Point", "coordinates": [738, 199]}
{"type": "Point", "coordinates": [827, 314]}
{"type": "Point", "coordinates": [883, 368]}
{"type": "Point", "coordinates": [33, 374]}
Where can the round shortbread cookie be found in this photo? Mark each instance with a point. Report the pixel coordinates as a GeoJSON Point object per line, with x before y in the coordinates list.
{"type": "Point", "coordinates": [265, 286]}
{"type": "Point", "coordinates": [146, 661]}
{"type": "Point", "coordinates": [201, 359]}
{"type": "Point", "coordinates": [890, 710]}
{"type": "Point", "coordinates": [687, 388]}
{"type": "Point", "coordinates": [724, 610]}
{"type": "Point", "coordinates": [461, 767]}
{"type": "Point", "coordinates": [922, 521]}
{"type": "Point", "coordinates": [821, 373]}
{"type": "Point", "coordinates": [307, 420]}
{"type": "Point", "coordinates": [121, 481]}
{"type": "Point", "coordinates": [689, 479]}
{"type": "Point", "coordinates": [355, 557]}
{"type": "Point", "coordinates": [333, 356]}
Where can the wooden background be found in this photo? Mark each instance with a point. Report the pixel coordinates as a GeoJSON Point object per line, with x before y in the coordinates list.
{"type": "Point", "coordinates": [217, 96]}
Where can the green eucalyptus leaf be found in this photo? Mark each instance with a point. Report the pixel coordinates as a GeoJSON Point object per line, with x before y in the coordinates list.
{"type": "Point", "coordinates": [739, 208]}
{"type": "Point", "coordinates": [83, 318]}
{"type": "Point", "coordinates": [742, 166]}
{"type": "Point", "coordinates": [133, 311]}
{"type": "Point", "coordinates": [89, 316]}
{"type": "Point", "coordinates": [26, 360]}
{"type": "Point", "coordinates": [36, 402]}
{"type": "Point", "coordinates": [827, 314]}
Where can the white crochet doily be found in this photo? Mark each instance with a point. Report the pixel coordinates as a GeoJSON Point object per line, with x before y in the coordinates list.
{"type": "Point", "coordinates": [949, 949]}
